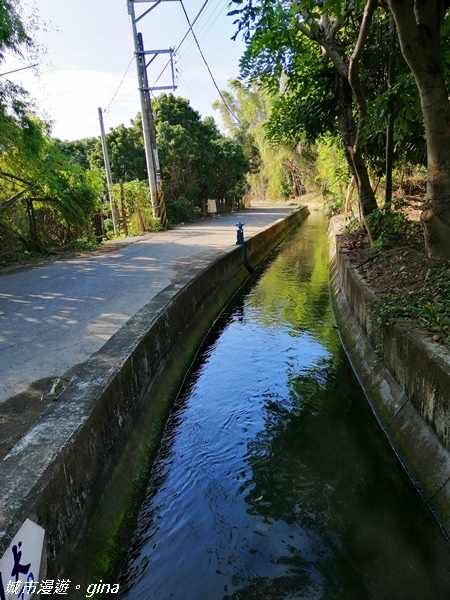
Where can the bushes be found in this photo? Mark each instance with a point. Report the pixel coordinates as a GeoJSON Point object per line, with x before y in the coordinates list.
{"type": "Point", "coordinates": [136, 205]}
{"type": "Point", "coordinates": [180, 211]}
{"type": "Point", "coordinates": [138, 208]}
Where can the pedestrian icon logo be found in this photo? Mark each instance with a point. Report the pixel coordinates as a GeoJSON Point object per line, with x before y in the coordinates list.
{"type": "Point", "coordinates": [20, 564]}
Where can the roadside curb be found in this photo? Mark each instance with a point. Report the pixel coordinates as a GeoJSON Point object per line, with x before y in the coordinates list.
{"type": "Point", "coordinates": [85, 452]}
{"type": "Point", "coordinates": [405, 378]}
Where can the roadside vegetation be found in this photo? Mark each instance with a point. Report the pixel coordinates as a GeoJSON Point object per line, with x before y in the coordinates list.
{"type": "Point", "coordinates": [332, 97]}
{"type": "Point", "coordinates": [362, 89]}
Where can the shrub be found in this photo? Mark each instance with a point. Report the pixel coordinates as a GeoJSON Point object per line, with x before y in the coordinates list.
{"type": "Point", "coordinates": [179, 211]}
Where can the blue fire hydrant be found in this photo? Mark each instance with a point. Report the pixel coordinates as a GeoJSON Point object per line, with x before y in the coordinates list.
{"type": "Point", "coordinates": [240, 234]}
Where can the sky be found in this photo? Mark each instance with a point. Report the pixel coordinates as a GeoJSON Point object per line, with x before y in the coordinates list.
{"type": "Point", "coordinates": [89, 61]}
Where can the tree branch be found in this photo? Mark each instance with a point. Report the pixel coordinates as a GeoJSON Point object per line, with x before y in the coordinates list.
{"type": "Point", "coordinates": [5, 175]}
{"type": "Point", "coordinates": [307, 32]}
{"type": "Point", "coordinates": [354, 62]}
{"type": "Point", "coordinates": [337, 25]}
{"type": "Point", "coordinates": [7, 203]}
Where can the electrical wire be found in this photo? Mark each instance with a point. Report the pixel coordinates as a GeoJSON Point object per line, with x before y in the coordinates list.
{"type": "Point", "coordinates": [120, 85]}
{"type": "Point", "coordinates": [183, 80]}
{"type": "Point", "coordinates": [217, 10]}
{"type": "Point", "coordinates": [182, 41]}
{"type": "Point", "coordinates": [17, 70]}
{"type": "Point", "coordinates": [232, 114]}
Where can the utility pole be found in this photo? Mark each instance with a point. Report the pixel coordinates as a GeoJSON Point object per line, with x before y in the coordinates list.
{"type": "Point", "coordinates": [108, 170]}
{"type": "Point", "coordinates": [149, 132]}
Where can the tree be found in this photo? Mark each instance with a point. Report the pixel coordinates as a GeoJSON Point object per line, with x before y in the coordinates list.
{"type": "Point", "coordinates": [13, 32]}
{"type": "Point", "coordinates": [420, 26]}
{"type": "Point", "coordinates": [126, 152]}
{"type": "Point", "coordinates": [305, 110]}
{"type": "Point", "coordinates": [273, 30]}
{"type": "Point", "coordinates": [277, 170]}
{"type": "Point", "coordinates": [15, 103]}
{"type": "Point", "coordinates": [229, 168]}
{"type": "Point", "coordinates": [79, 152]}
{"type": "Point", "coordinates": [43, 199]}
{"type": "Point", "coordinates": [242, 109]}
{"type": "Point", "coordinates": [197, 162]}
{"type": "Point", "coordinates": [184, 148]}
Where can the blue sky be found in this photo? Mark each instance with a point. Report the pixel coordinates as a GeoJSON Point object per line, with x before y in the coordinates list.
{"type": "Point", "coordinates": [89, 47]}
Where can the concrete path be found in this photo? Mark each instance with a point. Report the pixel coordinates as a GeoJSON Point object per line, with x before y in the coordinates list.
{"type": "Point", "coordinates": [56, 315]}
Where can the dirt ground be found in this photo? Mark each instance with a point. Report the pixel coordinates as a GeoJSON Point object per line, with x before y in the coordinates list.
{"type": "Point", "coordinates": [409, 284]}
{"type": "Point", "coordinates": [402, 266]}
{"type": "Point", "coordinates": [397, 270]}
{"type": "Point", "coordinates": [19, 412]}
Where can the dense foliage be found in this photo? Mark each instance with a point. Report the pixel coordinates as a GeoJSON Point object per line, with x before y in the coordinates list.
{"type": "Point", "coordinates": [338, 68]}
{"type": "Point", "coordinates": [197, 161]}
{"type": "Point", "coordinates": [53, 192]}
{"type": "Point", "coordinates": [326, 90]}
{"type": "Point", "coordinates": [279, 168]}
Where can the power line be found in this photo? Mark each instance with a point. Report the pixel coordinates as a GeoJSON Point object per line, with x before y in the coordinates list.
{"type": "Point", "coordinates": [182, 41]}
{"type": "Point", "coordinates": [17, 70]}
{"type": "Point", "coordinates": [183, 79]}
{"type": "Point", "coordinates": [217, 10]}
{"type": "Point", "coordinates": [120, 85]}
{"type": "Point", "coordinates": [207, 66]}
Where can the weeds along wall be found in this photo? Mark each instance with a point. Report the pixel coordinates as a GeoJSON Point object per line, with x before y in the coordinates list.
{"type": "Point", "coordinates": [406, 379]}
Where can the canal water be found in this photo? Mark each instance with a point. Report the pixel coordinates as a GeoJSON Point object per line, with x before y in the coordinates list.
{"type": "Point", "coordinates": [274, 480]}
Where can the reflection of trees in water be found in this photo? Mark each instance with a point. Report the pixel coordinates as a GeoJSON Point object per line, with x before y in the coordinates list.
{"type": "Point", "coordinates": [321, 467]}
{"type": "Point", "coordinates": [294, 288]}
{"type": "Point", "coordinates": [296, 463]}
{"type": "Point", "coordinates": [290, 456]}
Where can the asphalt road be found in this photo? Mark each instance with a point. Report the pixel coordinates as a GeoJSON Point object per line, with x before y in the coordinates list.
{"type": "Point", "coordinates": [56, 315]}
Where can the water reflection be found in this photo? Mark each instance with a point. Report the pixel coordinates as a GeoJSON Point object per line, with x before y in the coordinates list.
{"type": "Point", "coordinates": [273, 479]}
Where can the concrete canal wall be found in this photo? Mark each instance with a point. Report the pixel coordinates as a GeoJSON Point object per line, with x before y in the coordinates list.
{"type": "Point", "coordinates": [406, 379]}
{"type": "Point", "coordinates": [75, 472]}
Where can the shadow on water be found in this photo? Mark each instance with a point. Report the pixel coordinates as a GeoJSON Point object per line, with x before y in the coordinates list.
{"type": "Point", "coordinates": [273, 479]}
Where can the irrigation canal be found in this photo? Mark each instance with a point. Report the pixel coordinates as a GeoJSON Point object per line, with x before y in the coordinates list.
{"type": "Point", "coordinates": [274, 480]}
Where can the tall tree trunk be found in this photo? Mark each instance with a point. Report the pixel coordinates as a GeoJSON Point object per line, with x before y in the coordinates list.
{"type": "Point", "coordinates": [418, 27]}
{"type": "Point", "coordinates": [352, 151]}
{"type": "Point", "coordinates": [32, 223]}
{"type": "Point", "coordinates": [390, 124]}
{"type": "Point", "coordinates": [365, 190]}
{"type": "Point", "coordinates": [349, 88]}
{"type": "Point", "coordinates": [349, 195]}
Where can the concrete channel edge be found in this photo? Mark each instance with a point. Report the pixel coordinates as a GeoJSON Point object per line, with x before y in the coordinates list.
{"type": "Point", "coordinates": [72, 472]}
{"type": "Point", "coordinates": [405, 378]}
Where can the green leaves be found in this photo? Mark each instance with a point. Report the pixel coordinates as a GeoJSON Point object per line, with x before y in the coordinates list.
{"type": "Point", "coordinates": [13, 32]}
{"type": "Point", "coordinates": [126, 152]}
{"type": "Point", "coordinates": [197, 161]}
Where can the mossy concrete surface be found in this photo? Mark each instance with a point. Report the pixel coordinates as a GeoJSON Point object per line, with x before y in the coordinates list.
{"type": "Point", "coordinates": [76, 471]}
{"type": "Point", "coordinates": [405, 377]}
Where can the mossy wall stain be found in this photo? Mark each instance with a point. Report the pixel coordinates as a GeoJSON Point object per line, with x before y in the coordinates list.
{"type": "Point", "coordinates": [405, 379]}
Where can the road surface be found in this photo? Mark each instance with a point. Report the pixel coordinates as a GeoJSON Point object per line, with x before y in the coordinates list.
{"type": "Point", "coordinates": [56, 315]}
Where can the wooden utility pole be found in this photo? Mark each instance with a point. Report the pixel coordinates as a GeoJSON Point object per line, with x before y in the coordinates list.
{"type": "Point", "coordinates": [108, 171]}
